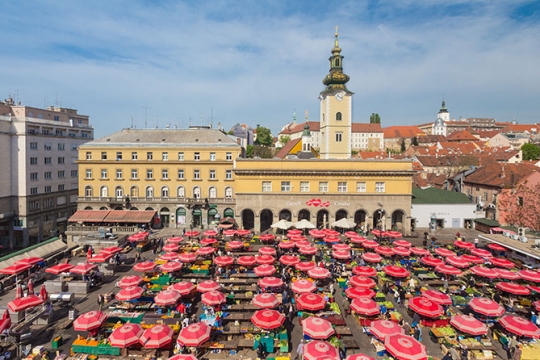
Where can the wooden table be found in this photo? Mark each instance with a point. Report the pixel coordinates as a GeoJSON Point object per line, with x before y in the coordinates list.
{"type": "Point", "coordinates": [244, 275]}
{"type": "Point", "coordinates": [343, 330]}
{"type": "Point", "coordinates": [350, 343]}
{"type": "Point", "coordinates": [241, 307]}
{"type": "Point", "coordinates": [237, 316]}
{"type": "Point", "coordinates": [239, 288]}
{"type": "Point", "coordinates": [234, 281]}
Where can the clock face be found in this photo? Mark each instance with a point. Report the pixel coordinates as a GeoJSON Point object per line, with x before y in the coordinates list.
{"type": "Point", "coordinates": [339, 96]}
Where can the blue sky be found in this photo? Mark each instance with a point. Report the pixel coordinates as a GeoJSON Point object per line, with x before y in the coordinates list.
{"type": "Point", "coordinates": [256, 62]}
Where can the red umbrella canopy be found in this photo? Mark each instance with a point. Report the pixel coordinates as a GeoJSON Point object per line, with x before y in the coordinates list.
{"type": "Point", "coordinates": [317, 349]}
{"type": "Point", "coordinates": [15, 269]}
{"type": "Point", "coordinates": [341, 247]}
{"type": "Point", "coordinates": [341, 254]}
{"type": "Point", "coordinates": [310, 302]}
{"type": "Point", "coordinates": [268, 319]}
{"type": "Point", "coordinates": [330, 232]}
{"type": "Point", "coordinates": [396, 271]}
{"type": "Point", "coordinates": [182, 357]}
{"type": "Point", "coordinates": [420, 251]}
{"type": "Point", "coordinates": [513, 288]}
{"type": "Point", "coordinates": [23, 303]}
{"type": "Point", "coordinates": [264, 270]}
{"type": "Point", "coordinates": [485, 272]}
{"type": "Point", "coordinates": [350, 234]}
{"type": "Point", "coordinates": [448, 270]}
{"type": "Point", "coordinates": [520, 326]}
{"type": "Point", "coordinates": [431, 261]}
{"type": "Point", "coordinates": [156, 337]}
{"type": "Point", "coordinates": [235, 244]}
{"type": "Point", "coordinates": [365, 306]}
{"type": "Point", "coordinates": [529, 275]}
{"type": "Point", "coordinates": [507, 274]}
{"type": "Point", "coordinates": [457, 261]}
{"type": "Point", "coordinates": [473, 259]}
{"type": "Point", "coordinates": [308, 250]}
{"type": "Point", "coordinates": [486, 306]}
{"type": "Point", "coordinates": [229, 232]}
{"type": "Point", "coordinates": [384, 250]}
{"type": "Point", "coordinates": [111, 250]}
{"type": "Point", "coordinates": [59, 269]}
{"type": "Point", "coordinates": [267, 250]}
{"type": "Point", "coordinates": [265, 301]}
{"type": "Point", "coordinates": [223, 260]}
{"type": "Point", "coordinates": [265, 259]}
{"type": "Point", "coordinates": [317, 233]}
{"type": "Point", "coordinates": [402, 251]}
{"type": "Point", "coordinates": [83, 268]}
{"type": "Point", "coordinates": [317, 328]}
{"type": "Point", "coordinates": [305, 265]}
{"type": "Point", "coordinates": [187, 257]}
{"type": "Point", "coordinates": [183, 287]}
{"type": "Point", "coordinates": [89, 321]}
{"type": "Point", "coordinates": [437, 297]}
{"type": "Point", "coordinates": [425, 307]}
{"type": "Point", "coordinates": [213, 298]}
{"type": "Point", "coordinates": [371, 257]}
{"type": "Point", "coordinates": [194, 334]}
{"type": "Point", "coordinates": [364, 271]}
{"type": "Point", "coordinates": [383, 328]}
{"type": "Point", "coordinates": [192, 233]}
{"type": "Point", "coordinates": [482, 253]}
{"type": "Point", "coordinates": [359, 357]}
{"type": "Point", "coordinates": [358, 239]}
{"type": "Point", "coordinates": [496, 247]}
{"type": "Point", "coordinates": [126, 335]}
{"type": "Point", "coordinates": [502, 262]}
{"type": "Point", "coordinates": [294, 232]}
{"type": "Point", "coordinates": [371, 244]}
{"type": "Point", "coordinates": [130, 293]}
{"type": "Point", "coordinates": [444, 252]}
{"type": "Point", "coordinates": [362, 281]}
{"type": "Point", "coordinates": [332, 239]}
{"type": "Point", "coordinates": [243, 232]}
{"type": "Point", "coordinates": [175, 239]}
{"type": "Point", "coordinates": [167, 297]}
{"type": "Point", "coordinates": [536, 305]}
{"type": "Point", "coordinates": [394, 234]}
{"type": "Point", "coordinates": [205, 251]}
{"type": "Point", "coordinates": [286, 244]}
{"type": "Point", "coordinates": [463, 244]}
{"type": "Point", "coordinates": [289, 260]}
{"type": "Point", "coordinates": [270, 281]}
{"type": "Point", "coordinates": [536, 289]}
{"type": "Point", "coordinates": [171, 266]}
{"type": "Point", "coordinates": [30, 261]}
{"type": "Point", "coordinates": [267, 237]}
{"type": "Point", "coordinates": [468, 324]}
{"type": "Point", "coordinates": [208, 241]}
{"type": "Point", "coordinates": [303, 286]}
{"type": "Point", "coordinates": [246, 260]}
{"type": "Point", "coordinates": [402, 243]}
{"type": "Point", "coordinates": [319, 273]}
{"type": "Point", "coordinates": [210, 233]}
{"type": "Point", "coordinates": [145, 266]}
{"type": "Point", "coordinates": [130, 280]}
{"type": "Point", "coordinates": [170, 247]}
{"type": "Point", "coordinates": [301, 243]}
{"type": "Point", "coordinates": [170, 256]}
{"type": "Point", "coordinates": [101, 258]}
{"type": "Point", "coordinates": [208, 285]}
{"type": "Point", "coordinates": [354, 292]}
{"type": "Point", "coordinates": [405, 347]}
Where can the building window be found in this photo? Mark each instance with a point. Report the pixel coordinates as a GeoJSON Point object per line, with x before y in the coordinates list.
{"type": "Point", "coordinates": [33, 161]}
{"type": "Point", "coordinates": [196, 174]}
{"type": "Point", "coordinates": [134, 155]}
{"type": "Point", "coordinates": [47, 146]}
{"type": "Point", "coordinates": [103, 191]}
{"type": "Point", "coordinates": [323, 186]}
{"type": "Point", "coordinates": [34, 205]}
{"type": "Point", "coordinates": [228, 193]}
{"type": "Point", "coordinates": [342, 186]}
{"type": "Point", "coordinates": [61, 146]}
{"type": "Point", "coordinates": [103, 173]}
{"type": "Point", "coordinates": [119, 192]}
{"type": "Point", "coordinates": [118, 155]}
{"type": "Point", "coordinates": [61, 174]}
{"type": "Point", "coordinates": [181, 192]}
{"type": "Point", "coordinates": [228, 174]}
{"type": "Point", "coordinates": [338, 116]}
{"type": "Point", "coordinates": [165, 192]}
{"type": "Point", "coordinates": [33, 146]}
{"type": "Point", "coordinates": [119, 173]}
{"type": "Point", "coordinates": [59, 132]}
{"type": "Point", "coordinates": [33, 191]}
{"type": "Point", "coordinates": [47, 203]}
{"type": "Point", "coordinates": [228, 156]}
{"type": "Point", "coordinates": [165, 156]}
{"type": "Point", "coordinates": [196, 192]}
{"type": "Point", "coordinates": [61, 187]}
{"type": "Point", "coordinates": [197, 156]}
{"type": "Point", "coordinates": [149, 174]}
{"type": "Point", "coordinates": [88, 155]}
{"type": "Point", "coordinates": [380, 187]}
{"type": "Point", "coordinates": [304, 186]}
{"type": "Point", "coordinates": [74, 173]}
{"type": "Point", "coordinates": [339, 136]}
{"type": "Point", "coordinates": [48, 174]}
{"type": "Point", "coordinates": [48, 160]}
{"type": "Point", "coordinates": [180, 174]}
{"type": "Point", "coordinates": [134, 191]}
{"type": "Point", "coordinates": [103, 155]}
{"type": "Point", "coordinates": [285, 186]}
{"type": "Point", "coordinates": [212, 193]}
{"type": "Point", "coordinates": [134, 173]}
{"type": "Point", "coordinates": [61, 160]}
{"type": "Point", "coordinates": [149, 155]}
{"type": "Point", "coordinates": [360, 187]}
{"type": "Point", "coordinates": [164, 174]}
{"type": "Point", "coordinates": [212, 174]}
{"type": "Point", "coordinates": [180, 156]}
{"type": "Point", "coordinates": [266, 186]}
{"type": "Point", "coordinates": [212, 156]}
{"type": "Point", "coordinates": [149, 192]}
{"type": "Point", "coordinates": [48, 189]}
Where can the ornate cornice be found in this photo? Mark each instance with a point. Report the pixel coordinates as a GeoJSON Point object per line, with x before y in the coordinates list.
{"type": "Point", "coordinates": [308, 173]}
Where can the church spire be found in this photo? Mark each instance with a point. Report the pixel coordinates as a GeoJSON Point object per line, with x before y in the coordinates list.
{"type": "Point", "coordinates": [336, 79]}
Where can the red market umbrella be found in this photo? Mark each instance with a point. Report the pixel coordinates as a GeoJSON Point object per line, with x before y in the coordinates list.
{"type": "Point", "coordinates": [30, 287]}
{"type": "Point", "coordinates": [502, 262]}
{"type": "Point", "coordinates": [359, 357]}
{"type": "Point", "coordinates": [513, 288]}
{"type": "Point", "coordinates": [100, 258]}
{"type": "Point", "coordinates": [308, 250]}
{"type": "Point", "coordinates": [437, 297]}
{"type": "Point", "coordinates": [23, 303]}
{"type": "Point", "coordinates": [267, 237]}
{"type": "Point", "coordinates": [126, 335]}
{"type": "Point", "coordinates": [529, 275]}
{"type": "Point", "coordinates": [425, 307]}
{"type": "Point", "coordinates": [59, 269]}
{"type": "Point", "coordinates": [83, 268]}
{"type": "Point", "coordinates": [268, 319]}
{"type": "Point", "coordinates": [229, 232]}
{"type": "Point", "coordinates": [267, 250]}
{"type": "Point", "coordinates": [536, 305]}
{"type": "Point", "coordinates": [286, 244]}
{"type": "Point", "coordinates": [468, 324]}
{"type": "Point", "coordinates": [183, 287]}
{"type": "Point", "coordinates": [364, 271]}
{"type": "Point", "coordinates": [265, 301]}
{"type": "Point", "coordinates": [301, 243]}
{"type": "Point", "coordinates": [379, 233]}
{"type": "Point", "coordinates": [145, 266]}
{"type": "Point", "coordinates": [213, 298]}
{"type": "Point", "coordinates": [536, 289]}
{"type": "Point", "coordinates": [310, 302]}
{"type": "Point", "coordinates": [192, 233]}
{"type": "Point", "coordinates": [520, 326]}
{"type": "Point", "coordinates": [194, 334]}
{"type": "Point", "coordinates": [496, 247]}
{"type": "Point", "coordinates": [187, 257]}
{"type": "Point", "coordinates": [171, 266]}
{"type": "Point", "coordinates": [463, 244]}
{"type": "Point", "coordinates": [362, 281]}
{"type": "Point", "coordinates": [265, 259]}
{"type": "Point", "coordinates": [224, 260]}
{"type": "Point", "coordinates": [130, 280]}
{"type": "Point", "coordinates": [420, 251]}
{"type": "Point", "coordinates": [175, 239]}
{"type": "Point", "coordinates": [208, 241]}
{"type": "Point", "coordinates": [354, 292]}
{"type": "Point", "coordinates": [270, 281]}
{"type": "Point", "coordinates": [507, 274]}
{"type": "Point", "coordinates": [264, 270]}
{"type": "Point", "coordinates": [317, 328]}
{"type": "Point", "coordinates": [15, 269]}
{"type": "Point", "coordinates": [431, 261]}
{"type": "Point", "coordinates": [331, 239]}
{"type": "Point", "coordinates": [485, 272]}
{"type": "Point", "coordinates": [448, 270]}
{"type": "Point", "coordinates": [402, 243]}
{"type": "Point", "coordinates": [341, 254]}
{"type": "Point", "coordinates": [404, 347]}
{"type": "Point", "coordinates": [444, 252]}
{"type": "Point", "coordinates": [89, 321]}
{"type": "Point", "coordinates": [457, 261]}
{"type": "Point", "coordinates": [402, 251]}
{"type": "Point", "coordinates": [318, 234]}
{"type": "Point", "coordinates": [486, 307]}
{"type": "Point", "coordinates": [156, 337]}
{"type": "Point", "coordinates": [358, 239]}
{"type": "Point", "coordinates": [246, 260]}
{"type": "Point", "coordinates": [30, 261]}
{"type": "Point", "coordinates": [330, 232]}
{"type": "Point", "coordinates": [89, 253]}
{"type": "Point", "coordinates": [384, 250]}
{"type": "Point", "coordinates": [167, 297]}
{"type": "Point", "coordinates": [111, 250]}
{"type": "Point", "coordinates": [243, 232]}
{"type": "Point", "coordinates": [393, 234]}
{"type": "Point", "coordinates": [170, 256]}
{"type": "Point", "coordinates": [289, 260]}
{"type": "Point", "coordinates": [318, 350]}
{"type": "Point", "coordinates": [170, 247]}
{"type": "Point", "coordinates": [383, 328]}
{"type": "Point", "coordinates": [303, 286]}
{"type": "Point", "coordinates": [297, 238]}
{"type": "Point", "coordinates": [130, 293]}
{"type": "Point", "coordinates": [43, 293]}
{"type": "Point", "coordinates": [341, 247]}
{"type": "Point", "coordinates": [482, 253]}
{"type": "Point", "coordinates": [472, 259]}
{"type": "Point", "coordinates": [208, 285]}
{"type": "Point", "coordinates": [350, 234]}
{"type": "Point", "coordinates": [372, 257]}
{"type": "Point", "coordinates": [319, 273]}
{"type": "Point", "coordinates": [371, 244]}
{"type": "Point", "coordinates": [365, 306]}
{"type": "Point", "coordinates": [210, 233]}
{"type": "Point", "coordinates": [294, 232]}
{"type": "Point", "coordinates": [396, 271]}
{"type": "Point", "coordinates": [305, 265]}
{"type": "Point", "coordinates": [205, 251]}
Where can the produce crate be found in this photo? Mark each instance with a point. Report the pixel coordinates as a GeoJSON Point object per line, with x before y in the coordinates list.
{"type": "Point", "coordinates": [57, 342]}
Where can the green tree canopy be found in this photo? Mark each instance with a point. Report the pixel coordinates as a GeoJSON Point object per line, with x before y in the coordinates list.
{"type": "Point", "coordinates": [284, 139]}
{"type": "Point", "coordinates": [374, 118]}
{"type": "Point", "coordinates": [264, 136]}
{"type": "Point", "coordinates": [414, 141]}
{"type": "Point", "coordinates": [403, 146]}
{"type": "Point", "coordinates": [530, 152]}
{"type": "Point", "coordinates": [249, 151]}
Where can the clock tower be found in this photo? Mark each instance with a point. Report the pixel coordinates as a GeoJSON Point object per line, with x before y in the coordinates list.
{"type": "Point", "coordinates": [336, 110]}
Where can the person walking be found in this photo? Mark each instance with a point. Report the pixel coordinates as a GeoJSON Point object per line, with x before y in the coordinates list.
{"type": "Point", "coordinates": [100, 301]}
{"type": "Point", "coordinates": [418, 332]}
{"type": "Point", "coordinates": [300, 350]}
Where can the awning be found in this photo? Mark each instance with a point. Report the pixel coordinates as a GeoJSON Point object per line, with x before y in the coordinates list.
{"type": "Point", "coordinates": [89, 216]}
{"type": "Point", "coordinates": [227, 220]}
{"type": "Point", "coordinates": [44, 251]}
{"type": "Point", "coordinates": [113, 216]}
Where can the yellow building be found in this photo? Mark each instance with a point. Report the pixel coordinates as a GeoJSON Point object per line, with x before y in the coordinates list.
{"type": "Point", "coordinates": [185, 175]}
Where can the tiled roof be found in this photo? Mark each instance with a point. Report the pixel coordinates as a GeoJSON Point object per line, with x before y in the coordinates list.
{"type": "Point", "coordinates": [461, 135]}
{"type": "Point", "coordinates": [372, 154]}
{"type": "Point", "coordinates": [438, 196]}
{"type": "Point", "coordinates": [522, 128]}
{"type": "Point", "coordinates": [500, 175]}
{"type": "Point", "coordinates": [366, 128]}
{"type": "Point", "coordinates": [427, 139]}
{"type": "Point", "coordinates": [282, 154]}
{"type": "Point", "coordinates": [405, 132]}
{"type": "Point", "coordinates": [299, 127]}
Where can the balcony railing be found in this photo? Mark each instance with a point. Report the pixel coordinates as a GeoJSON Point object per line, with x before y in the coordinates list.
{"type": "Point", "coordinates": [176, 200]}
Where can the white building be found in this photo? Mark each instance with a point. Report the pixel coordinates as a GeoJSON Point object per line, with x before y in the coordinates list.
{"type": "Point", "coordinates": [40, 192]}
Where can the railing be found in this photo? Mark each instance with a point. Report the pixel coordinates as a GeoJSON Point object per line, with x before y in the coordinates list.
{"type": "Point", "coordinates": [95, 229]}
{"type": "Point", "coordinates": [191, 201]}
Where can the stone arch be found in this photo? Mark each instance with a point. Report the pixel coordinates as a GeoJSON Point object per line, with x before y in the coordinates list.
{"type": "Point", "coordinates": [134, 208]}
{"type": "Point", "coordinates": [119, 192]}
{"type": "Point", "coordinates": [104, 208]}
{"type": "Point", "coordinates": [248, 219]}
{"type": "Point", "coordinates": [398, 218]}
{"type": "Point", "coordinates": [285, 214]}
{"type": "Point", "coordinates": [134, 191]}
{"type": "Point", "coordinates": [379, 219]}
{"type": "Point", "coordinates": [304, 214]}
{"type": "Point", "coordinates": [341, 214]}
{"type": "Point", "coordinates": [360, 217]}
{"type": "Point", "coordinates": [88, 191]}
{"type": "Point", "coordinates": [266, 219]}
{"type": "Point", "coordinates": [88, 208]}
{"type": "Point", "coordinates": [322, 218]}
{"type": "Point", "coordinates": [103, 191]}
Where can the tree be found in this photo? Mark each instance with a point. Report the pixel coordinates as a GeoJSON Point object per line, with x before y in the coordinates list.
{"type": "Point", "coordinates": [257, 151]}
{"type": "Point", "coordinates": [530, 152]}
{"type": "Point", "coordinates": [520, 206]}
{"type": "Point", "coordinates": [284, 139]}
{"type": "Point", "coordinates": [374, 118]}
{"type": "Point", "coordinates": [250, 149]}
{"type": "Point", "coordinates": [264, 136]}
{"type": "Point", "coordinates": [230, 132]}
{"type": "Point", "coordinates": [414, 141]}
{"type": "Point", "coordinates": [403, 146]}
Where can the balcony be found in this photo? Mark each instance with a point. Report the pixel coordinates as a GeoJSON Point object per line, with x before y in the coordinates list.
{"type": "Point", "coordinates": [155, 200]}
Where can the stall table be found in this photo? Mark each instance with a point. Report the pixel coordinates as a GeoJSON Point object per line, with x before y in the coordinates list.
{"type": "Point", "coordinates": [91, 347]}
